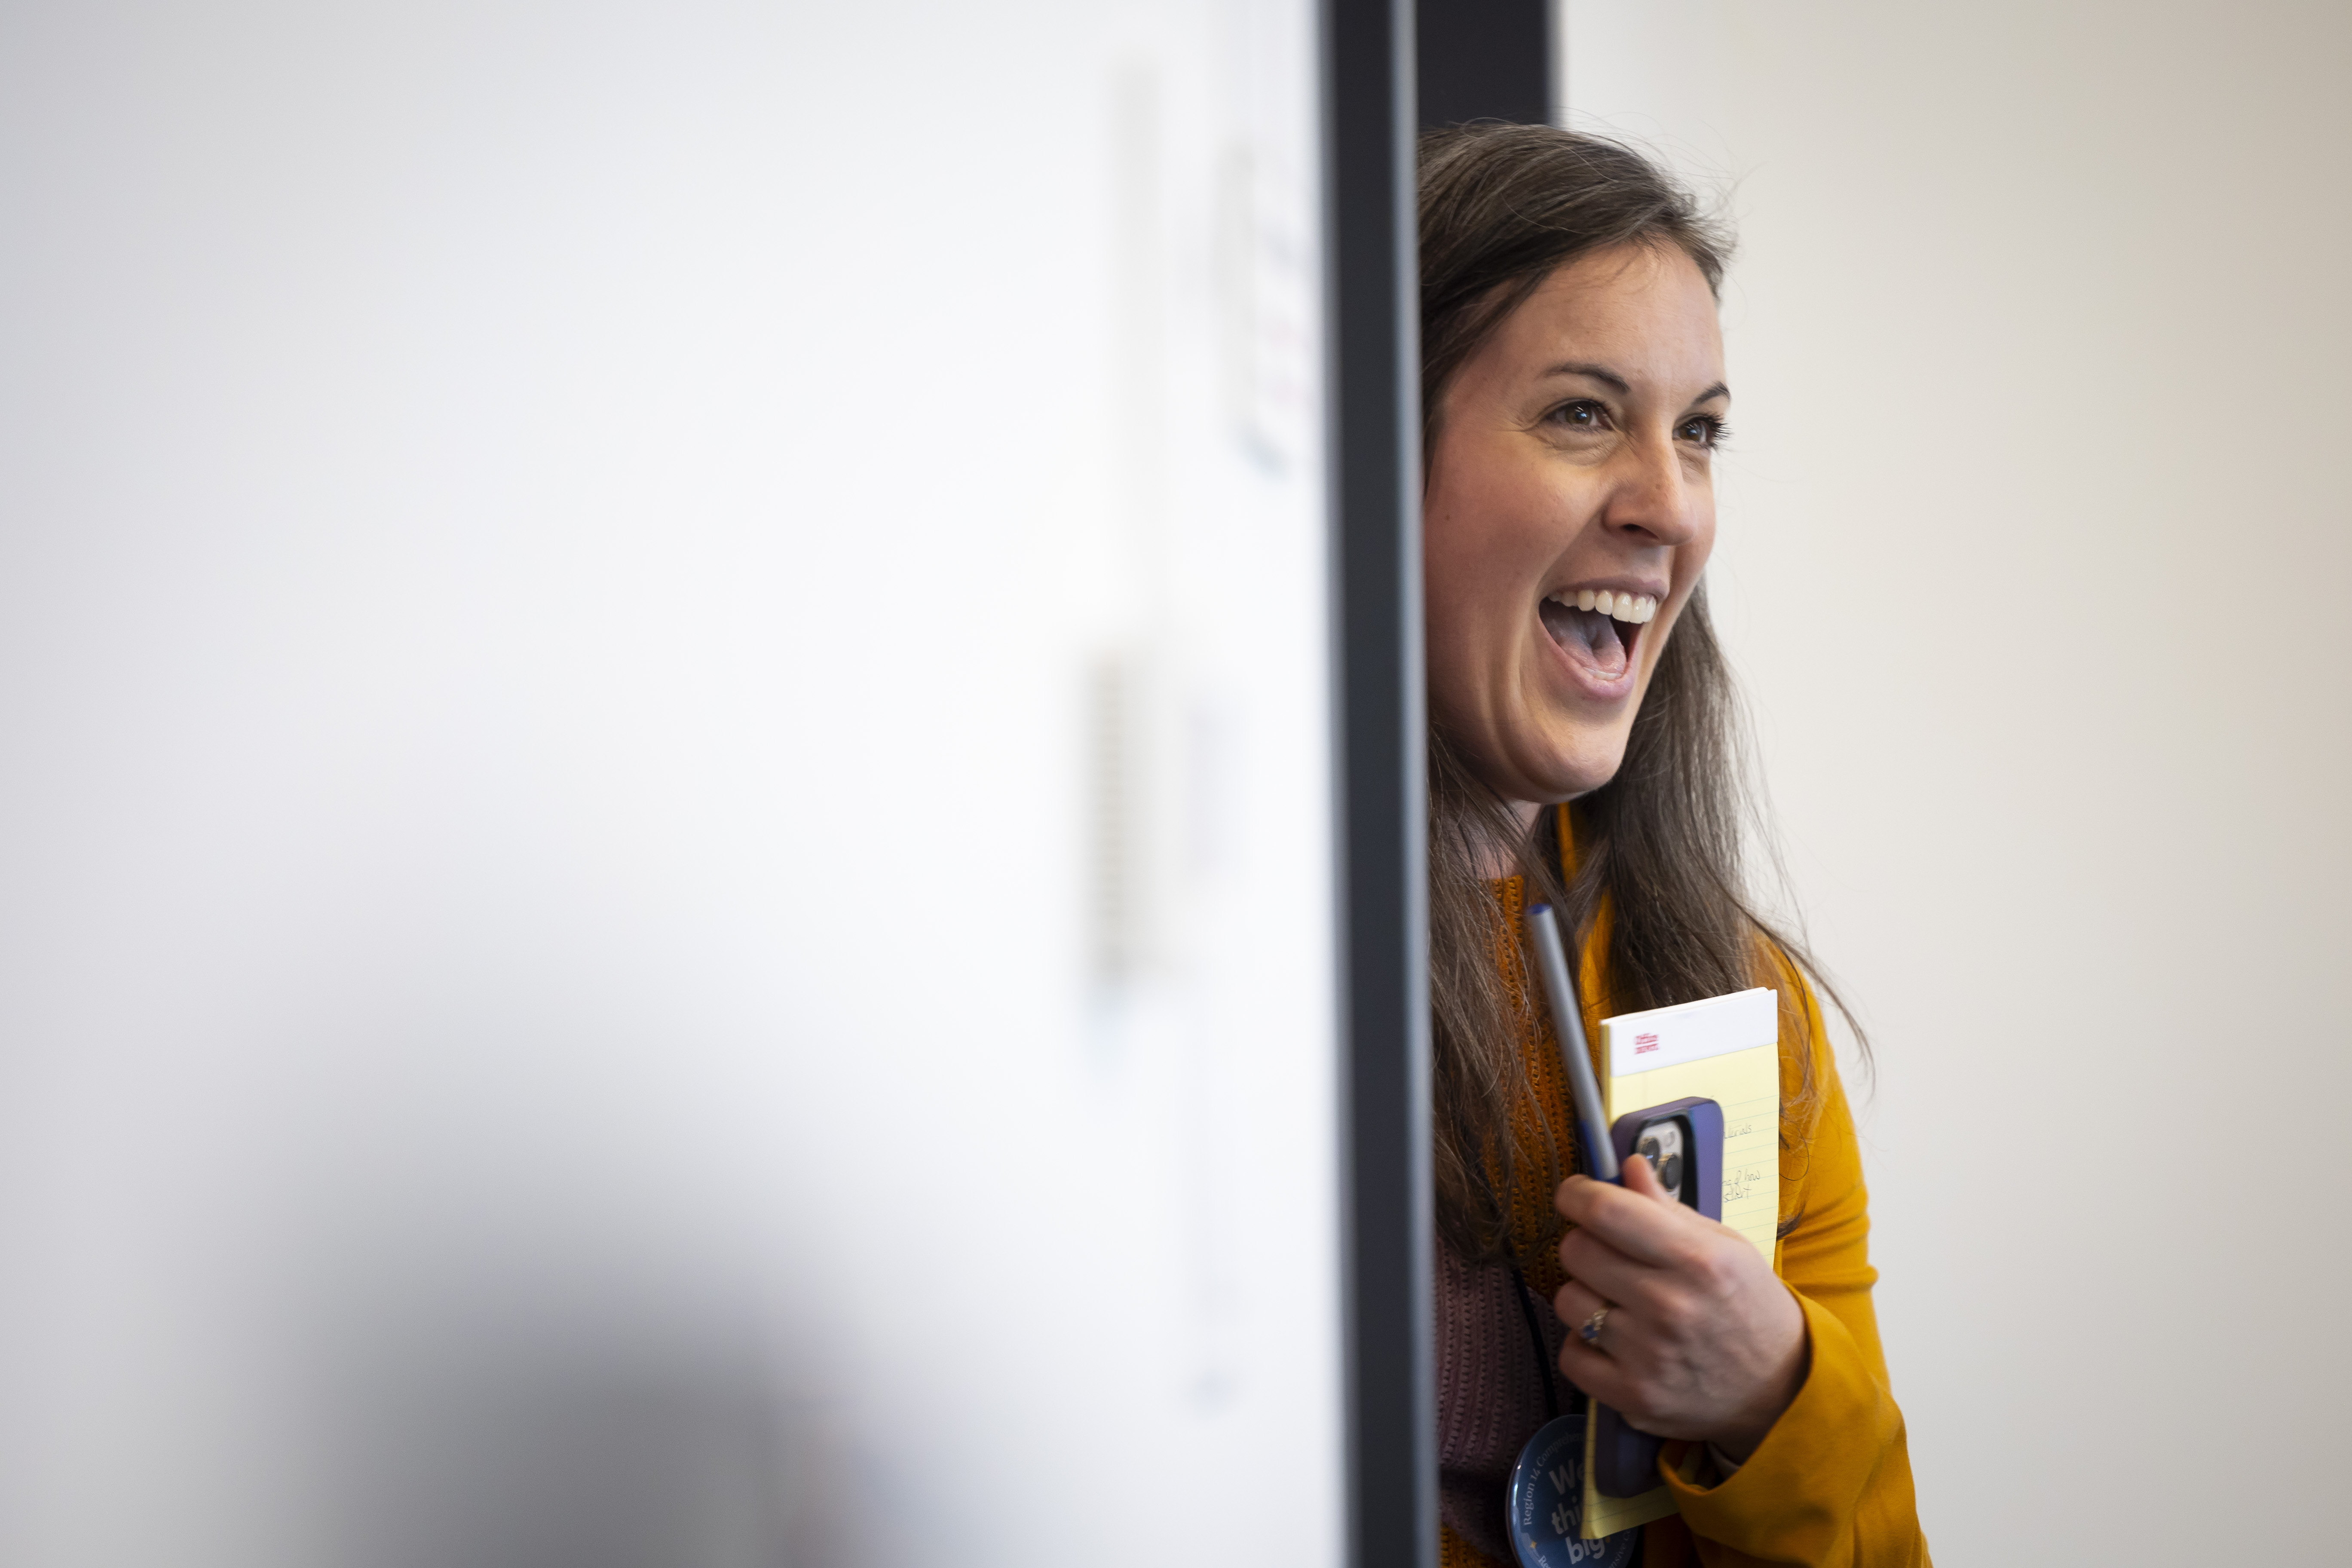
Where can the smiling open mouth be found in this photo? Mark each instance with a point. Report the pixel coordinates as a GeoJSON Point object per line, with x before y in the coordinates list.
{"type": "Point", "coordinates": [1597, 629]}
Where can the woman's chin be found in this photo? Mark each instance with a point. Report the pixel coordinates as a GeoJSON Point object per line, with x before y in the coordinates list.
{"type": "Point", "coordinates": [1557, 772]}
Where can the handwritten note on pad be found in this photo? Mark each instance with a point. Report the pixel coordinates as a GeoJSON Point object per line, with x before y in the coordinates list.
{"type": "Point", "coordinates": [1726, 1049]}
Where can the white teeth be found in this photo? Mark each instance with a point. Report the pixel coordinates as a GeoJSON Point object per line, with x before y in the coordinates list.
{"type": "Point", "coordinates": [1632, 608]}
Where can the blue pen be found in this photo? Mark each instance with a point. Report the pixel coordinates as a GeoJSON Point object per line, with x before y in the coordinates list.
{"type": "Point", "coordinates": [1567, 1023]}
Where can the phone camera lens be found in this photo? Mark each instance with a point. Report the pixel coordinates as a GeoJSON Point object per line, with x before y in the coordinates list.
{"type": "Point", "coordinates": [1648, 1150]}
{"type": "Point", "coordinates": [1671, 1176]}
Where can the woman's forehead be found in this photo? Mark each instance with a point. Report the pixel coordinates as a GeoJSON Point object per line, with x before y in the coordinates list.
{"type": "Point", "coordinates": [1643, 312]}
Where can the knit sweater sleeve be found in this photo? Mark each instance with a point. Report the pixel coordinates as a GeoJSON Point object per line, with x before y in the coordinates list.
{"type": "Point", "coordinates": [1830, 1483]}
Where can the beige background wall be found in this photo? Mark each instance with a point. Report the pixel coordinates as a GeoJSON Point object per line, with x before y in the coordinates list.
{"type": "Point", "coordinates": [2034, 544]}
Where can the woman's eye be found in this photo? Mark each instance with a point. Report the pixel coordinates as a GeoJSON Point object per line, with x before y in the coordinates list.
{"type": "Point", "coordinates": [1581, 415]}
{"type": "Point", "coordinates": [1703, 430]}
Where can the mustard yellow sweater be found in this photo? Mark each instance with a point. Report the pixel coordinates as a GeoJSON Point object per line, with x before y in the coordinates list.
{"type": "Point", "coordinates": [1830, 1484]}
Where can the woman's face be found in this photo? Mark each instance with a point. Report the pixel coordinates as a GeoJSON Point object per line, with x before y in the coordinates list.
{"type": "Point", "coordinates": [1571, 469]}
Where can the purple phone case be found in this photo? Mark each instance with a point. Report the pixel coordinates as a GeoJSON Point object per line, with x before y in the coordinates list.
{"type": "Point", "coordinates": [1625, 1462]}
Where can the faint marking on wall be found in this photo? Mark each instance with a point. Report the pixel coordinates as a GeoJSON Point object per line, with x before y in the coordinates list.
{"type": "Point", "coordinates": [1117, 894]}
{"type": "Point", "coordinates": [1264, 294]}
{"type": "Point", "coordinates": [1121, 723]}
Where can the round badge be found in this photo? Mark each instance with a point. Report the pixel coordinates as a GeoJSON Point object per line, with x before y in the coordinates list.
{"type": "Point", "coordinates": [1547, 1504]}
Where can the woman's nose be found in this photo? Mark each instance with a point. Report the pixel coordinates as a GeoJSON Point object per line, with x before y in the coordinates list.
{"type": "Point", "coordinates": [1658, 498]}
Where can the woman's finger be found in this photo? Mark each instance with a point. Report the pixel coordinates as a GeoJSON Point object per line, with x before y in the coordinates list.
{"type": "Point", "coordinates": [1592, 1262]}
{"type": "Point", "coordinates": [1641, 1176]}
{"type": "Point", "coordinates": [1647, 1229]}
{"type": "Point", "coordinates": [1594, 1370]}
{"type": "Point", "coordinates": [1575, 1301]}
{"type": "Point", "coordinates": [1578, 1305]}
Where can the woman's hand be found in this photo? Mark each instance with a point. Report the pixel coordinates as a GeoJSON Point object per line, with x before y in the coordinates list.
{"type": "Point", "coordinates": [1702, 1341]}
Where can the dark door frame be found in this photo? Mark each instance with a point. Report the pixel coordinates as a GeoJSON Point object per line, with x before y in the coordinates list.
{"type": "Point", "coordinates": [1483, 57]}
{"type": "Point", "coordinates": [1375, 402]}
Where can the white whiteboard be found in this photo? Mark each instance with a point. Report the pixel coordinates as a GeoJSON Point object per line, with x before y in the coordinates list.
{"type": "Point", "coordinates": [666, 871]}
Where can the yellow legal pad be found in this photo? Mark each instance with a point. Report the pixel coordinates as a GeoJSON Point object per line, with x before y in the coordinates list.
{"type": "Point", "coordinates": [1724, 1050]}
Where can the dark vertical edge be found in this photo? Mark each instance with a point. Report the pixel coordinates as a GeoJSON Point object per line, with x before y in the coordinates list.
{"type": "Point", "coordinates": [1555, 61]}
{"type": "Point", "coordinates": [1374, 292]}
{"type": "Point", "coordinates": [1487, 59]}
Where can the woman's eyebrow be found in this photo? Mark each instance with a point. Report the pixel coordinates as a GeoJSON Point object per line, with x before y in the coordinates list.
{"type": "Point", "coordinates": [1602, 373]}
{"type": "Point", "coordinates": [1610, 378]}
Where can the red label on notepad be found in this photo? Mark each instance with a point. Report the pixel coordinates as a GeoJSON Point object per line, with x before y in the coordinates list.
{"type": "Point", "coordinates": [1643, 1043]}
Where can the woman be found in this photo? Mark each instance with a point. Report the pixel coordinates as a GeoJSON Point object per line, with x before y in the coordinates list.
{"type": "Point", "coordinates": [1575, 393]}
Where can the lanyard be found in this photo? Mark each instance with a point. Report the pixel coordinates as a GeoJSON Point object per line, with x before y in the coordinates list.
{"type": "Point", "coordinates": [1536, 1340]}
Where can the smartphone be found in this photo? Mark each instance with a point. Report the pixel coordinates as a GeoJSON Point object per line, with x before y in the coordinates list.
{"type": "Point", "coordinates": [1683, 1141]}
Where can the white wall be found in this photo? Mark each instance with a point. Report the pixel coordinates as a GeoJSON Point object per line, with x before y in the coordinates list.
{"type": "Point", "coordinates": [663, 877]}
{"type": "Point", "coordinates": [2035, 538]}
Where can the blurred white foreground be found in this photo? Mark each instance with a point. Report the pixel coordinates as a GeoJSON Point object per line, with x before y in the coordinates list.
{"type": "Point", "coordinates": [664, 885]}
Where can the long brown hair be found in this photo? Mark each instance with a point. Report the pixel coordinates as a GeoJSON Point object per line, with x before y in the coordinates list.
{"type": "Point", "coordinates": [1502, 206]}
